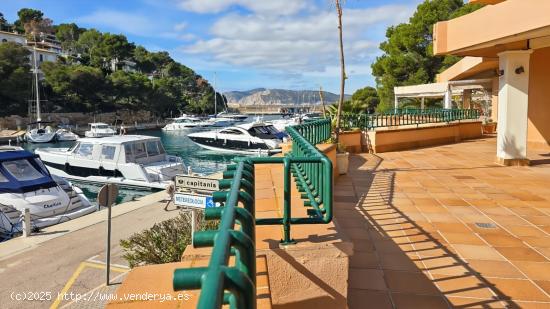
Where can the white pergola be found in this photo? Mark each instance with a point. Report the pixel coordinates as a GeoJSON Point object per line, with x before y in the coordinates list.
{"type": "Point", "coordinates": [443, 90]}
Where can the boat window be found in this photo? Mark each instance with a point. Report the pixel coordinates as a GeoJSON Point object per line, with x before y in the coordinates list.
{"type": "Point", "coordinates": [139, 150]}
{"type": "Point", "coordinates": [22, 170]}
{"type": "Point", "coordinates": [3, 178]}
{"type": "Point", "coordinates": [42, 166]}
{"type": "Point", "coordinates": [232, 131]}
{"type": "Point", "coordinates": [129, 154]}
{"type": "Point", "coordinates": [259, 131]}
{"type": "Point", "coordinates": [108, 152]}
{"type": "Point", "coordinates": [74, 147]}
{"type": "Point", "coordinates": [101, 126]}
{"type": "Point", "coordinates": [161, 148]}
{"type": "Point", "coordinates": [152, 149]}
{"type": "Point", "coordinates": [85, 150]}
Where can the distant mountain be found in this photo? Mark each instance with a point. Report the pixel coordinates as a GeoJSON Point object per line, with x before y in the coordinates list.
{"type": "Point", "coordinates": [263, 96]}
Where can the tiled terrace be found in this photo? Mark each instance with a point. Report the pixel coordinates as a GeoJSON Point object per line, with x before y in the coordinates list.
{"type": "Point", "coordinates": [445, 227]}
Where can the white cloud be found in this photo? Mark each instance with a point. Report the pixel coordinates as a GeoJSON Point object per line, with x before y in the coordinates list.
{"type": "Point", "coordinates": [298, 44]}
{"type": "Point", "coordinates": [278, 7]}
{"type": "Point", "coordinates": [180, 26]}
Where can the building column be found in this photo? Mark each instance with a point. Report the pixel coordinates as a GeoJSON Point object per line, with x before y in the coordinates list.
{"type": "Point", "coordinates": [494, 100]}
{"type": "Point", "coordinates": [448, 101]}
{"type": "Point", "coordinates": [396, 104]}
{"type": "Point", "coordinates": [513, 102]}
{"type": "Point", "coordinates": [422, 105]}
{"type": "Point", "coordinates": [466, 98]}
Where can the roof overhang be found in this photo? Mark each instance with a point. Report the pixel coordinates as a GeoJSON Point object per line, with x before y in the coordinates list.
{"type": "Point", "coordinates": [468, 67]}
{"type": "Point", "coordinates": [510, 25]}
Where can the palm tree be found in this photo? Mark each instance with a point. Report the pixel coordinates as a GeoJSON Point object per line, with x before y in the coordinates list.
{"type": "Point", "coordinates": [342, 68]}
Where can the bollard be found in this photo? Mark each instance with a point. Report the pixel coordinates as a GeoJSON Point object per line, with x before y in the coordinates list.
{"type": "Point", "coordinates": [27, 223]}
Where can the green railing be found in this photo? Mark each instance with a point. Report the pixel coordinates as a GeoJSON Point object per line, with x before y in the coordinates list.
{"type": "Point", "coordinates": [403, 117]}
{"type": "Point", "coordinates": [222, 283]}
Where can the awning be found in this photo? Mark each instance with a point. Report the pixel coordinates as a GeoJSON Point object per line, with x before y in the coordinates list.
{"type": "Point", "coordinates": [438, 90]}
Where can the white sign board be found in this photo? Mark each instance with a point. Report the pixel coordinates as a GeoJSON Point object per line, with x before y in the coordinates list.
{"type": "Point", "coordinates": [195, 201]}
{"type": "Point", "coordinates": [196, 183]}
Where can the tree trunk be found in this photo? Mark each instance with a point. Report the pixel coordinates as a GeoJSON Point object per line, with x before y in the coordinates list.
{"type": "Point", "coordinates": [342, 69]}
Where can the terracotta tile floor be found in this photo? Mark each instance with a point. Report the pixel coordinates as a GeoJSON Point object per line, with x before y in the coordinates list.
{"type": "Point", "coordinates": [445, 227]}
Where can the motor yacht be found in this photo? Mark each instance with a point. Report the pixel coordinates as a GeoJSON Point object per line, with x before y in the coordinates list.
{"type": "Point", "coordinates": [250, 138]}
{"type": "Point", "coordinates": [282, 124]}
{"type": "Point", "coordinates": [236, 117]}
{"type": "Point", "coordinates": [99, 129]}
{"type": "Point", "coordinates": [131, 161]}
{"type": "Point", "coordinates": [26, 183]}
{"type": "Point", "coordinates": [64, 135]}
{"type": "Point", "coordinates": [185, 122]}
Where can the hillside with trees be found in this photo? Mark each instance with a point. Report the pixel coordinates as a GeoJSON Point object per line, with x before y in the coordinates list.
{"type": "Point", "coordinates": [97, 72]}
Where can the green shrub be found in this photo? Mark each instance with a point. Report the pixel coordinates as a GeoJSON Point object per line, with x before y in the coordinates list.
{"type": "Point", "coordinates": [164, 242]}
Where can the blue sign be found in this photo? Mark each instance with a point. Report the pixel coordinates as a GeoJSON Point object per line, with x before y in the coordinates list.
{"type": "Point", "coordinates": [210, 202]}
{"type": "Point", "coordinates": [192, 200]}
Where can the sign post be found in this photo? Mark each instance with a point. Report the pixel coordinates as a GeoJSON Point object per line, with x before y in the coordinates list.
{"type": "Point", "coordinates": [185, 195]}
{"type": "Point", "coordinates": [107, 197]}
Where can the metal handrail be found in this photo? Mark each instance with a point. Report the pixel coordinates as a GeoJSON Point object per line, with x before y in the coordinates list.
{"type": "Point", "coordinates": [402, 117]}
{"type": "Point", "coordinates": [235, 285]}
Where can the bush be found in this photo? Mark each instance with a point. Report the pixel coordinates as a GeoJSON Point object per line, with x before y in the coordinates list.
{"type": "Point", "coordinates": [164, 242]}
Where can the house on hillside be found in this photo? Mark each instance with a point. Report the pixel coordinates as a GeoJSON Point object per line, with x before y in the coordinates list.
{"type": "Point", "coordinates": [47, 47]}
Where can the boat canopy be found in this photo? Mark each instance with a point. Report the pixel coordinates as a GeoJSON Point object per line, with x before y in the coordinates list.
{"type": "Point", "coordinates": [22, 171]}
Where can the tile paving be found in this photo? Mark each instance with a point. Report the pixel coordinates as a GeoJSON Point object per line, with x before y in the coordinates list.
{"type": "Point", "coordinates": [446, 227]}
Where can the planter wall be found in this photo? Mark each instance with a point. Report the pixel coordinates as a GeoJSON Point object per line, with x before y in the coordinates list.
{"type": "Point", "coordinates": [490, 128]}
{"type": "Point", "coordinates": [352, 140]}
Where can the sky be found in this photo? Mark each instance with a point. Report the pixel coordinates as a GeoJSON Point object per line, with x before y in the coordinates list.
{"type": "Point", "coordinates": [245, 44]}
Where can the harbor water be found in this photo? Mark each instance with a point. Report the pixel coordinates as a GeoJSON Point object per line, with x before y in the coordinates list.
{"type": "Point", "coordinates": [200, 160]}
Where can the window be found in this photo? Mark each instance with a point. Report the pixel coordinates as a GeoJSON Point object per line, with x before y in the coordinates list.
{"type": "Point", "coordinates": [4, 40]}
{"type": "Point", "coordinates": [231, 131]}
{"type": "Point", "coordinates": [129, 153]}
{"type": "Point", "coordinates": [41, 58]}
{"type": "Point", "coordinates": [22, 170]}
{"type": "Point", "coordinates": [85, 150]}
{"type": "Point", "coordinates": [139, 150]}
{"type": "Point", "coordinates": [3, 178]}
{"type": "Point", "coordinates": [108, 152]}
{"type": "Point", "coordinates": [152, 149]}
{"type": "Point", "coordinates": [161, 148]}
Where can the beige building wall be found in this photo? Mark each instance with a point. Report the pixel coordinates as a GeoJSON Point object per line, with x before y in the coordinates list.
{"type": "Point", "coordinates": [538, 130]}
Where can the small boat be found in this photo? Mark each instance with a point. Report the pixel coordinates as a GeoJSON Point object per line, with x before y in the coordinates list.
{"type": "Point", "coordinates": [26, 183]}
{"type": "Point", "coordinates": [250, 138]}
{"type": "Point", "coordinates": [185, 122]}
{"type": "Point", "coordinates": [40, 135]}
{"type": "Point", "coordinates": [99, 129]}
{"type": "Point", "coordinates": [130, 161]}
{"type": "Point", "coordinates": [64, 135]}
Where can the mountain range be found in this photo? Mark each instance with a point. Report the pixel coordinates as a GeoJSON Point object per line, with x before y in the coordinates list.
{"type": "Point", "coordinates": [263, 96]}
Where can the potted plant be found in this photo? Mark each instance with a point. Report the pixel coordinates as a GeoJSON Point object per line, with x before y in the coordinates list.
{"type": "Point", "coordinates": [342, 159]}
{"type": "Point", "coordinates": [488, 126]}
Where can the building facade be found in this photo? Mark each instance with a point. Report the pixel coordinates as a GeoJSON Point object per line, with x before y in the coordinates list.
{"type": "Point", "coordinates": [507, 41]}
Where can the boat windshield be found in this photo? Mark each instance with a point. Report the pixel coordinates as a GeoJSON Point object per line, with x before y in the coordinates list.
{"type": "Point", "coordinates": [261, 132]}
{"type": "Point", "coordinates": [22, 170]}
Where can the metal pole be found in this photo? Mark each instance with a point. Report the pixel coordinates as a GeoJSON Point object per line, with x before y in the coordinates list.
{"type": "Point", "coordinates": [27, 223]}
{"type": "Point", "coordinates": [108, 270]}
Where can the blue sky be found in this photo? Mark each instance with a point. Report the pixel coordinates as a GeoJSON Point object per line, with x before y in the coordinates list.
{"type": "Point", "coordinates": [290, 44]}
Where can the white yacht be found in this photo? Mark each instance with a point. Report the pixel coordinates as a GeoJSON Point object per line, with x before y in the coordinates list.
{"type": "Point", "coordinates": [185, 122]}
{"type": "Point", "coordinates": [282, 124]}
{"type": "Point", "coordinates": [99, 129]}
{"type": "Point", "coordinates": [250, 138]}
{"type": "Point", "coordinates": [26, 183]}
{"type": "Point", "coordinates": [64, 135]}
{"type": "Point", "coordinates": [131, 161]}
{"type": "Point", "coordinates": [40, 135]}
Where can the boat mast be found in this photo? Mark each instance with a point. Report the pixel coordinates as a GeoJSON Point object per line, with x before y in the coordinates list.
{"type": "Point", "coordinates": [215, 98]}
{"type": "Point", "coordinates": [38, 116]}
